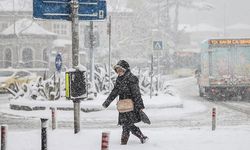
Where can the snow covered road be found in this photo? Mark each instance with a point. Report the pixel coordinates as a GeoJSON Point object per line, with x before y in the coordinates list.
{"type": "Point", "coordinates": [181, 128]}
{"type": "Point", "coordinates": [196, 112]}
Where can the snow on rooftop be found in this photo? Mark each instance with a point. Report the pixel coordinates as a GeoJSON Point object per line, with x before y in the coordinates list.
{"type": "Point", "coordinates": [118, 6]}
{"type": "Point", "coordinates": [184, 26]}
{"type": "Point", "coordinates": [203, 5]}
{"type": "Point", "coordinates": [19, 5]}
{"type": "Point", "coordinates": [26, 27]}
{"type": "Point", "coordinates": [201, 28]}
{"type": "Point", "coordinates": [238, 26]}
{"type": "Point", "coordinates": [194, 50]}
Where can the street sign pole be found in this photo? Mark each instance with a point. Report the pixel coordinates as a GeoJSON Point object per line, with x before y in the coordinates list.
{"type": "Point", "coordinates": [158, 74]}
{"type": "Point", "coordinates": [157, 47]}
{"type": "Point", "coordinates": [75, 54]}
{"type": "Point", "coordinates": [91, 49]}
{"type": "Point", "coordinates": [109, 33]}
{"type": "Point", "coordinates": [73, 10]}
{"type": "Point", "coordinates": [75, 32]}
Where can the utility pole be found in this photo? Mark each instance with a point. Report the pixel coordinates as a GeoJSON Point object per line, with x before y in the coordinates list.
{"type": "Point", "coordinates": [75, 61]}
{"type": "Point", "coordinates": [176, 23]}
{"type": "Point", "coordinates": [158, 73]}
{"type": "Point", "coordinates": [168, 17]}
{"type": "Point", "coordinates": [151, 75]}
{"type": "Point", "coordinates": [91, 35]}
{"type": "Point", "coordinates": [109, 33]}
{"type": "Point", "coordinates": [16, 35]}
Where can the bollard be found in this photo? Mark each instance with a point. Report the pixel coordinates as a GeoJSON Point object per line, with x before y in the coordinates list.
{"type": "Point", "coordinates": [77, 116]}
{"type": "Point", "coordinates": [4, 130]}
{"type": "Point", "coordinates": [53, 116]}
{"type": "Point", "coordinates": [44, 133]}
{"type": "Point", "coordinates": [105, 141]}
{"type": "Point", "coordinates": [213, 119]}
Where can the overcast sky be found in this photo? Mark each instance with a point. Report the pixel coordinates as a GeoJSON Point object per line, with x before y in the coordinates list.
{"type": "Point", "coordinates": [236, 11]}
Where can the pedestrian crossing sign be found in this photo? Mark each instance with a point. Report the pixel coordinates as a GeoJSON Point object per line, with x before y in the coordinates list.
{"type": "Point", "coordinates": [157, 45]}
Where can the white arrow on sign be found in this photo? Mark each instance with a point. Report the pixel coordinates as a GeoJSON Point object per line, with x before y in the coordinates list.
{"type": "Point", "coordinates": [157, 45]}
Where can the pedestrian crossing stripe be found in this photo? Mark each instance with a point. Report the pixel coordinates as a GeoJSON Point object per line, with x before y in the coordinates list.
{"type": "Point", "coordinates": [157, 45]}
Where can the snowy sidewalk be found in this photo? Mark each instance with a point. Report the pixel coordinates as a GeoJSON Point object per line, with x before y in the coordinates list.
{"type": "Point", "coordinates": [226, 138]}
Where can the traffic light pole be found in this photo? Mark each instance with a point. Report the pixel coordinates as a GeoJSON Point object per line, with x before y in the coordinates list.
{"type": "Point", "coordinates": [75, 58]}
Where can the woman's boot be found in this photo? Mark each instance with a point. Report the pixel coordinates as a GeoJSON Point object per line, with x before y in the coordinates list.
{"type": "Point", "coordinates": [124, 139]}
{"type": "Point", "coordinates": [139, 134]}
{"type": "Point", "coordinates": [143, 139]}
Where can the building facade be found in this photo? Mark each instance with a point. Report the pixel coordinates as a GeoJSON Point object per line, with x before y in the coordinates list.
{"type": "Point", "coordinates": [12, 45]}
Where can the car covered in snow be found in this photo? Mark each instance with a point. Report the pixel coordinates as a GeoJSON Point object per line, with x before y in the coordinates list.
{"type": "Point", "coordinates": [11, 78]}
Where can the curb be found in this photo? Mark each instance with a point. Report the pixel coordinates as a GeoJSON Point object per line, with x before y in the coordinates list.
{"type": "Point", "coordinates": [29, 108]}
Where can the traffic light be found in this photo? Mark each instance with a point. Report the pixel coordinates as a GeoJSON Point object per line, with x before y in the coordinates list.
{"type": "Point", "coordinates": [75, 83]}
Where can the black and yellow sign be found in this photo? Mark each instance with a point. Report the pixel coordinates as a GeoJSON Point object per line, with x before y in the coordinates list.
{"type": "Point", "coordinates": [225, 42]}
{"type": "Point", "coordinates": [75, 84]}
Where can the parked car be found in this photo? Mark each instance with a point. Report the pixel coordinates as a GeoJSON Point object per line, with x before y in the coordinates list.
{"type": "Point", "coordinates": [10, 78]}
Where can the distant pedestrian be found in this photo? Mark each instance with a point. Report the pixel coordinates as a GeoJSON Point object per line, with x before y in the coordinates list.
{"type": "Point", "coordinates": [130, 102]}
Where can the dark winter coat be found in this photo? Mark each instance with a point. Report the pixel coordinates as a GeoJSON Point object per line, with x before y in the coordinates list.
{"type": "Point", "coordinates": [127, 87]}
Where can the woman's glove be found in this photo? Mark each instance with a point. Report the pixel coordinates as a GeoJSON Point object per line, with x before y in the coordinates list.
{"type": "Point", "coordinates": [105, 104]}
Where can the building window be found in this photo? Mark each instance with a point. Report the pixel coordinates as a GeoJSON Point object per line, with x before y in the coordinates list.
{"type": "Point", "coordinates": [27, 57]}
{"type": "Point", "coordinates": [60, 28]}
{"type": "Point", "coordinates": [46, 57]}
{"type": "Point", "coordinates": [56, 28]}
{"type": "Point", "coordinates": [3, 26]}
{"type": "Point", "coordinates": [7, 58]}
{"type": "Point", "coordinates": [63, 29]}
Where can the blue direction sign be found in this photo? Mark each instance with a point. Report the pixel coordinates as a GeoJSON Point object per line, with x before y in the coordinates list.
{"type": "Point", "coordinates": [58, 62]}
{"type": "Point", "coordinates": [92, 11]}
{"type": "Point", "coordinates": [51, 9]}
{"type": "Point", "coordinates": [61, 9]}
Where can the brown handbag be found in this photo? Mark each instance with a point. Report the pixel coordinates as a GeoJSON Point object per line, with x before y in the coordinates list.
{"type": "Point", "coordinates": [125, 105]}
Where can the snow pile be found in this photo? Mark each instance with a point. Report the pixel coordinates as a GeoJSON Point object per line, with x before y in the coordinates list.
{"type": "Point", "coordinates": [157, 102]}
{"type": "Point", "coordinates": [202, 5]}
{"type": "Point", "coordinates": [118, 6]}
{"type": "Point", "coordinates": [228, 138]}
{"type": "Point", "coordinates": [158, 108]}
